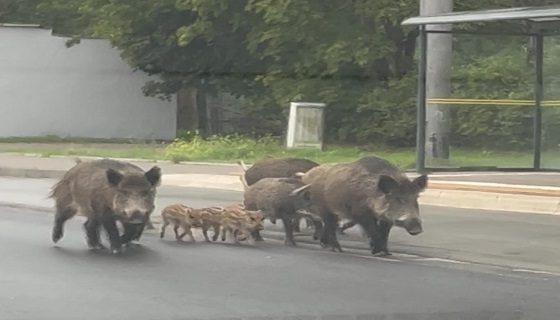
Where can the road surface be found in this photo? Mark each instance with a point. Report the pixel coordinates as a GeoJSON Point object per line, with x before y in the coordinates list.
{"type": "Point", "coordinates": [166, 280]}
{"type": "Point", "coordinates": [163, 279]}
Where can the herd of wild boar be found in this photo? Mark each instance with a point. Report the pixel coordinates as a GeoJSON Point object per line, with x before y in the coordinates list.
{"type": "Point", "coordinates": [369, 192]}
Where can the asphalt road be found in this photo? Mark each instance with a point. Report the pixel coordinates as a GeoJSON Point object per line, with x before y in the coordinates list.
{"type": "Point", "coordinates": [514, 240]}
{"type": "Point", "coordinates": [163, 279]}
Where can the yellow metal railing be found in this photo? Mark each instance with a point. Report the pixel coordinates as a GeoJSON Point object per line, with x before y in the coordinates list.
{"type": "Point", "coordinates": [489, 102]}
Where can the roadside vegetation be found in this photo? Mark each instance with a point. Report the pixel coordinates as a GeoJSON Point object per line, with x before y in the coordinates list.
{"type": "Point", "coordinates": [354, 56]}
{"type": "Point", "coordinates": [229, 149]}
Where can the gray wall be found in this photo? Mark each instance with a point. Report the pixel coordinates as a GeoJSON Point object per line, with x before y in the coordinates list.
{"type": "Point", "coordinates": [83, 91]}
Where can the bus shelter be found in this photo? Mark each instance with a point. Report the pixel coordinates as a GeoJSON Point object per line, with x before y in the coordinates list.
{"type": "Point", "coordinates": [540, 22]}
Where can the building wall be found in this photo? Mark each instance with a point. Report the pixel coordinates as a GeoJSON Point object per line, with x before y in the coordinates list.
{"type": "Point", "coordinates": [83, 91]}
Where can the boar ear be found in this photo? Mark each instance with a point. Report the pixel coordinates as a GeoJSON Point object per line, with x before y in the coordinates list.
{"type": "Point", "coordinates": [114, 177]}
{"type": "Point", "coordinates": [387, 184]}
{"type": "Point", "coordinates": [153, 175]}
{"type": "Point", "coordinates": [421, 182]}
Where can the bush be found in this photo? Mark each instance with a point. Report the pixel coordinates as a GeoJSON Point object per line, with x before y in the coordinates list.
{"type": "Point", "coordinates": [225, 148]}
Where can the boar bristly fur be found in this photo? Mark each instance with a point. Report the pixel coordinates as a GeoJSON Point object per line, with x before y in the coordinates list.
{"type": "Point", "coordinates": [272, 197]}
{"type": "Point", "coordinates": [106, 191]}
{"type": "Point", "coordinates": [372, 192]}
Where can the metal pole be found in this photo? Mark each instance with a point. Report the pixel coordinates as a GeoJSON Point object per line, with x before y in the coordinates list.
{"type": "Point", "coordinates": [539, 55]}
{"type": "Point", "coordinates": [438, 83]}
{"type": "Point", "coordinates": [421, 112]}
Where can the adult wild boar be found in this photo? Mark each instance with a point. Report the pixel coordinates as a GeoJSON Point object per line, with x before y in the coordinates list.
{"type": "Point", "coordinates": [272, 197]}
{"type": "Point", "coordinates": [370, 191]}
{"type": "Point", "coordinates": [131, 231]}
{"type": "Point", "coordinates": [270, 167]}
{"type": "Point", "coordinates": [106, 191]}
{"type": "Point", "coordinates": [316, 173]}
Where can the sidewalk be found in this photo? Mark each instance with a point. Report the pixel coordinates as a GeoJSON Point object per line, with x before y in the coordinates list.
{"type": "Point", "coordinates": [514, 192]}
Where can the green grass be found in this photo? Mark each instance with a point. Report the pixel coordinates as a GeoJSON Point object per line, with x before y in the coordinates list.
{"type": "Point", "coordinates": [232, 148]}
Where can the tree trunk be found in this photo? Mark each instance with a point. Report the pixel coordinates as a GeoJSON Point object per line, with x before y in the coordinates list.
{"type": "Point", "coordinates": [187, 109]}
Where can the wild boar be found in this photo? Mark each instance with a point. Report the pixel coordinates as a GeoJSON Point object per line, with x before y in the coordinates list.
{"type": "Point", "coordinates": [207, 218]}
{"type": "Point", "coordinates": [275, 168]}
{"type": "Point", "coordinates": [272, 197]}
{"type": "Point", "coordinates": [131, 231]}
{"type": "Point", "coordinates": [240, 222]}
{"type": "Point", "coordinates": [180, 217]}
{"type": "Point", "coordinates": [269, 167]}
{"type": "Point", "coordinates": [105, 191]}
{"type": "Point", "coordinates": [314, 174]}
{"type": "Point", "coordinates": [372, 192]}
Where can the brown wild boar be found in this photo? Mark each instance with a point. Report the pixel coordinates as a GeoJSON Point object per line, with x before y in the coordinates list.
{"type": "Point", "coordinates": [132, 231]}
{"type": "Point", "coordinates": [272, 197]}
{"type": "Point", "coordinates": [372, 192]}
{"type": "Point", "coordinates": [240, 222]}
{"type": "Point", "coordinates": [269, 167]}
{"type": "Point", "coordinates": [209, 217]}
{"type": "Point", "coordinates": [314, 174]}
{"type": "Point", "coordinates": [180, 217]}
{"type": "Point", "coordinates": [105, 191]}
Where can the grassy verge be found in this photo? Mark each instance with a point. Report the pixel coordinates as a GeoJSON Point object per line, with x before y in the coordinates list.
{"type": "Point", "coordinates": [232, 148]}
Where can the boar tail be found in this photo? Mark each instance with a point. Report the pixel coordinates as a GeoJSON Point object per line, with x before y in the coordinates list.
{"type": "Point", "coordinates": [245, 185]}
{"type": "Point", "coordinates": [242, 165]}
{"type": "Point", "coordinates": [56, 188]}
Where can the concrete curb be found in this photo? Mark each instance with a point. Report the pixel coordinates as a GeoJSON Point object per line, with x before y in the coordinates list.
{"type": "Point", "coordinates": [37, 155]}
{"type": "Point", "coordinates": [466, 195]}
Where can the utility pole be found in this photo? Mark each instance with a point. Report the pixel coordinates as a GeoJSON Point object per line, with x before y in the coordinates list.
{"type": "Point", "coordinates": [438, 81]}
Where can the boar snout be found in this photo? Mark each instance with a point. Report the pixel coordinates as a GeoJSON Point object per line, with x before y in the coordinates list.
{"type": "Point", "coordinates": [137, 216]}
{"type": "Point", "coordinates": [412, 225]}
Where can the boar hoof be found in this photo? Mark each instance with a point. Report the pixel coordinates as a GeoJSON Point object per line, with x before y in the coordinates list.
{"type": "Point", "coordinates": [97, 246]}
{"type": "Point", "coordinates": [336, 247]}
{"type": "Point", "coordinates": [116, 250]}
{"type": "Point", "coordinates": [132, 245]}
{"type": "Point", "coordinates": [380, 252]}
{"type": "Point", "coordinates": [289, 243]}
{"type": "Point", "coordinates": [57, 235]}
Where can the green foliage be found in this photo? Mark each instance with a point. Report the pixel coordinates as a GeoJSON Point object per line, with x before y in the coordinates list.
{"type": "Point", "coordinates": [230, 147]}
{"type": "Point", "coordinates": [353, 55]}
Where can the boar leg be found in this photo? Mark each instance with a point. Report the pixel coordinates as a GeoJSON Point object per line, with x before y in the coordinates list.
{"type": "Point", "coordinates": [216, 232]}
{"type": "Point", "coordinates": [131, 232]}
{"type": "Point", "coordinates": [188, 231]}
{"type": "Point", "coordinates": [318, 229]}
{"type": "Point", "coordinates": [205, 233]}
{"type": "Point", "coordinates": [328, 236]}
{"type": "Point", "coordinates": [383, 238]}
{"type": "Point", "coordinates": [176, 230]}
{"type": "Point", "coordinates": [256, 234]}
{"type": "Point", "coordinates": [110, 226]}
{"type": "Point", "coordinates": [61, 216]}
{"type": "Point", "coordinates": [224, 232]}
{"type": "Point", "coordinates": [376, 231]}
{"type": "Point", "coordinates": [139, 231]}
{"type": "Point", "coordinates": [92, 233]}
{"type": "Point", "coordinates": [295, 224]}
{"type": "Point", "coordinates": [287, 220]}
{"type": "Point", "coordinates": [163, 227]}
